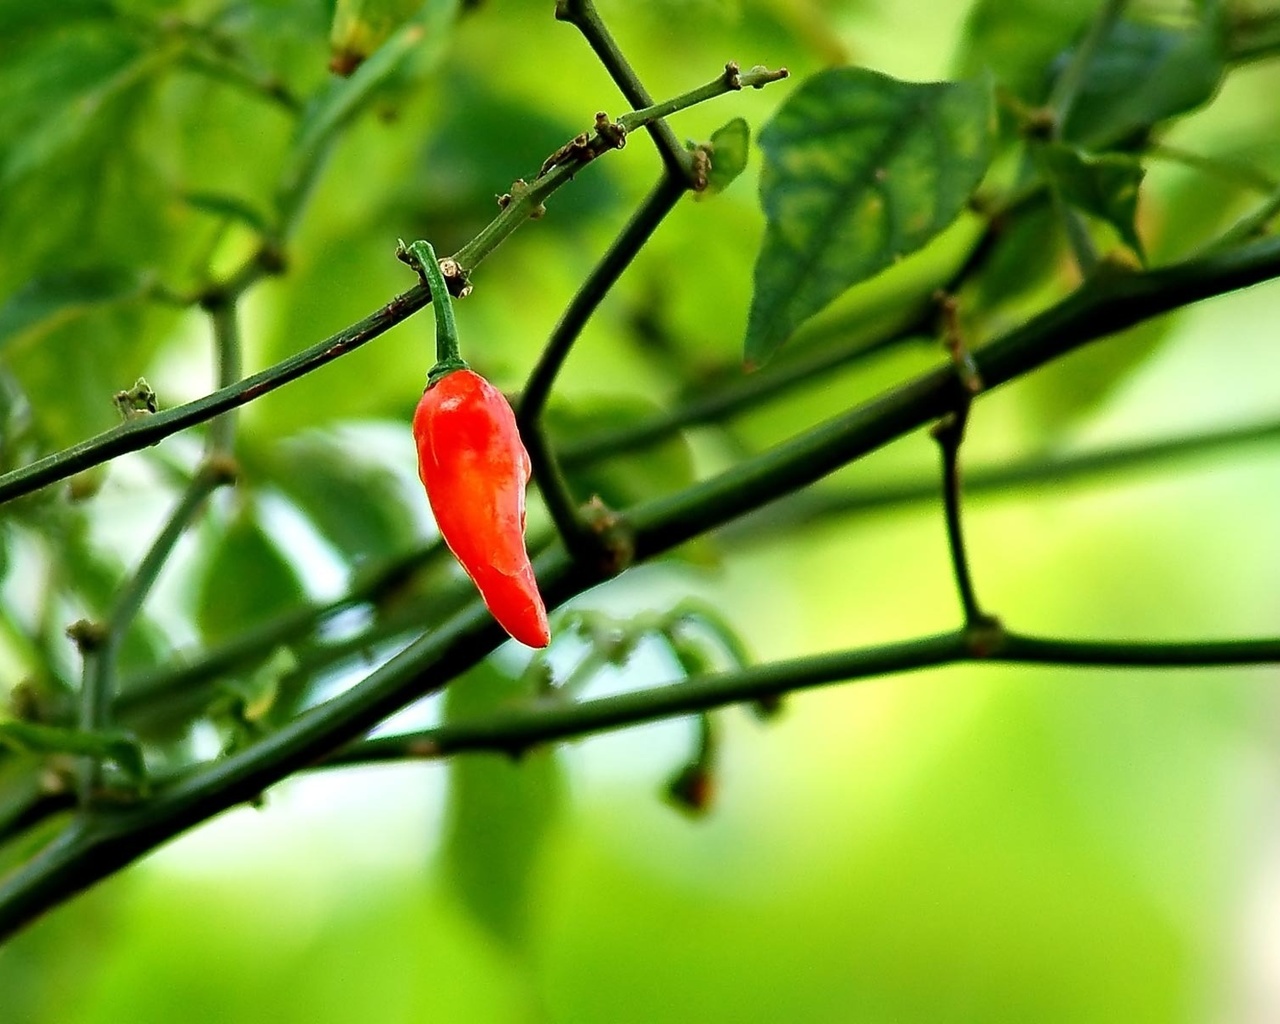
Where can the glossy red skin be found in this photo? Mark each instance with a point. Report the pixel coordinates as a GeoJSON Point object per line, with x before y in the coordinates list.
{"type": "Point", "coordinates": [475, 469]}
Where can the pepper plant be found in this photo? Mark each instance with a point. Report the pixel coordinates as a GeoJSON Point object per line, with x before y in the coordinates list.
{"type": "Point", "coordinates": [910, 247]}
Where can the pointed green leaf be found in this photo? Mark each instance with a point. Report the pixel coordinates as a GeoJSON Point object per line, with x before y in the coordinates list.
{"type": "Point", "coordinates": [1144, 74]}
{"type": "Point", "coordinates": [730, 147]}
{"type": "Point", "coordinates": [859, 170]}
{"type": "Point", "coordinates": [501, 812]}
{"type": "Point", "coordinates": [246, 580]}
{"type": "Point", "coordinates": [48, 302]}
{"type": "Point", "coordinates": [119, 748]}
{"type": "Point", "coordinates": [1103, 186]}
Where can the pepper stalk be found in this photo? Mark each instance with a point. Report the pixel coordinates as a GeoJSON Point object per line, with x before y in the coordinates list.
{"type": "Point", "coordinates": [422, 257]}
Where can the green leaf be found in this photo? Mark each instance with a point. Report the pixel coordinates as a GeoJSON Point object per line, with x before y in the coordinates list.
{"type": "Point", "coordinates": [245, 581]}
{"type": "Point", "coordinates": [1144, 74]}
{"type": "Point", "coordinates": [730, 146]}
{"type": "Point", "coordinates": [859, 170]}
{"type": "Point", "coordinates": [119, 748]}
{"type": "Point", "coordinates": [48, 302]}
{"type": "Point", "coordinates": [501, 812]}
{"type": "Point", "coordinates": [1103, 186]}
{"type": "Point", "coordinates": [357, 504]}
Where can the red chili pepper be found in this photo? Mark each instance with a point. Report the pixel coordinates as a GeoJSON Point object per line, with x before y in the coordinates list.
{"type": "Point", "coordinates": [475, 469]}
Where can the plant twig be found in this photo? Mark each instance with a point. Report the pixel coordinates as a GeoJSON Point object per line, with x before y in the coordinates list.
{"type": "Point", "coordinates": [101, 652]}
{"type": "Point", "coordinates": [520, 727]}
{"type": "Point", "coordinates": [577, 536]}
{"type": "Point", "coordinates": [734, 78]}
{"type": "Point", "coordinates": [1250, 226]}
{"type": "Point", "coordinates": [550, 718]}
{"type": "Point", "coordinates": [101, 648]}
{"type": "Point", "coordinates": [1102, 306]}
{"type": "Point", "coordinates": [1035, 470]}
{"type": "Point", "coordinates": [949, 433]}
{"type": "Point", "coordinates": [145, 431]}
{"type": "Point", "coordinates": [582, 14]}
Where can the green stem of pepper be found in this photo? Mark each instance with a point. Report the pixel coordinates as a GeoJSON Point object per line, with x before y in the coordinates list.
{"type": "Point", "coordinates": [448, 355]}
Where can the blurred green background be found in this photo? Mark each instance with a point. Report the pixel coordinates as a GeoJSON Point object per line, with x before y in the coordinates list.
{"type": "Point", "coordinates": [972, 844]}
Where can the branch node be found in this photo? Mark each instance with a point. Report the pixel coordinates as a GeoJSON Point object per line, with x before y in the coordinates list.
{"type": "Point", "coordinates": [762, 76]}
{"type": "Point", "coordinates": [519, 189]}
{"type": "Point", "coordinates": [953, 341]}
{"type": "Point", "coordinates": [220, 469]}
{"type": "Point", "coordinates": [272, 259]}
{"type": "Point", "coordinates": [575, 149]}
{"type": "Point", "coordinates": [87, 636]}
{"type": "Point", "coordinates": [699, 168]}
{"type": "Point", "coordinates": [613, 134]}
{"type": "Point", "coordinates": [424, 749]}
{"type": "Point", "coordinates": [455, 278]}
{"type": "Point", "coordinates": [613, 536]}
{"type": "Point", "coordinates": [733, 75]}
{"type": "Point", "coordinates": [139, 401]}
{"type": "Point", "coordinates": [984, 636]}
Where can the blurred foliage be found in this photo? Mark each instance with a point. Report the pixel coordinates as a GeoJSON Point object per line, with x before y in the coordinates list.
{"type": "Point", "coordinates": [977, 849]}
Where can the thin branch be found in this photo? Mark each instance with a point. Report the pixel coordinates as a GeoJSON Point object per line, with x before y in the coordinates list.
{"type": "Point", "coordinates": [1235, 171]}
{"type": "Point", "coordinates": [551, 718]}
{"type": "Point", "coordinates": [949, 433]}
{"type": "Point", "coordinates": [228, 363]}
{"type": "Point", "coordinates": [143, 432]}
{"type": "Point", "coordinates": [1053, 470]}
{"type": "Point", "coordinates": [732, 80]}
{"type": "Point", "coordinates": [101, 650]}
{"type": "Point", "coordinates": [743, 394]}
{"type": "Point", "coordinates": [577, 536]}
{"type": "Point", "coordinates": [221, 68]}
{"type": "Point", "coordinates": [101, 654]}
{"type": "Point", "coordinates": [582, 14]}
{"type": "Point", "coordinates": [519, 728]}
{"type": "Point", "coordinates": [143, 694]}
{"type": "Point", "coordinates": [526, 199]}
{"type": "Point", "coordinates": [1252, 225]}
